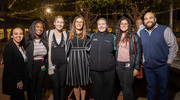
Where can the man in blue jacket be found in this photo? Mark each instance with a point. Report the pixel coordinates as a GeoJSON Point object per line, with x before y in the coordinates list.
{"type": "Point", "coordinates": [159, 50]}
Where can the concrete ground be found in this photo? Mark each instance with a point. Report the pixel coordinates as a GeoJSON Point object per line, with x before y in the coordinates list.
{"type": "Point", "coordinates": [139, 86]}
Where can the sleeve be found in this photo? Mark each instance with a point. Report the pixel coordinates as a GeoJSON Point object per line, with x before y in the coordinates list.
{"type": "Point", "coordinates": [88, 44]}
{"type": "Point", "coordinates": [114, 37]}
{"type": "Point", "coordinates": [47, 33]}
{"type": "Point", "coordinates": [8, 56]}
{"type": "Point", "coordinates": [172, 44]}
{"type": "Point", "coordinates": [138, 32]}
{"type": "Point", "coordinates": [68, 48]}
{"type": "Point", "coordinates": [138, 53]}
{"type": "Point", "coordinates": [89, 40]}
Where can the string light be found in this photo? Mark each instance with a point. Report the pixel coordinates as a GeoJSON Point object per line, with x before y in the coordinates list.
{"type": "Point", "coordinates": [31, 11]}
{"type": "Point", "coordinates": [20, 18]}
{"type": "Point", "coordinates": [63, 4]}
{"type": "Point", "coordinates": [12, 4]}
{"type": "Point", "coordinates": [48, 10]}
{"type": "Point", "coordinates": [15, 13]}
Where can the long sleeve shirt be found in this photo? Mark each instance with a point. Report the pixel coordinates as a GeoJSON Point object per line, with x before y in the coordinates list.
{"type": "Point", "coordinates": [171, 42]}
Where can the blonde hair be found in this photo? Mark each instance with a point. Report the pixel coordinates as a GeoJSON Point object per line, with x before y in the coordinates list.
{"type": "Point", "coordinates": [59, 16]}
{"type": "Point", "coordinates": [73, 29]}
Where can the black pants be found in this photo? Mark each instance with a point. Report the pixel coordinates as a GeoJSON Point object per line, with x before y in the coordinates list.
{"type": "Point", "coordinates": [59, 79]}
{"type": "Point", "coordinates": [125, 75]}
{"type": "Point", "coordinates": [19, 96]}
{"type": "Point", "coordinates": [37, 82]}
{"type": "Point", "coordinates": [103, 84]}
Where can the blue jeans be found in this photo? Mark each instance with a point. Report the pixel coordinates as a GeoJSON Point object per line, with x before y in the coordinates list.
{"type": "Point", "coordinates": [158, 76]}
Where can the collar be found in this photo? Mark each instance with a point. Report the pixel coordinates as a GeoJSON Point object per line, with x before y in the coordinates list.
{"type": "Point", "coordinates": [37, 40]}
{"type": "Point", "coordinates": [141, 26]}
{"type": "Point", "coordinates": [102, 33]}
{"type": "Point", "coordinates": [156, 25]}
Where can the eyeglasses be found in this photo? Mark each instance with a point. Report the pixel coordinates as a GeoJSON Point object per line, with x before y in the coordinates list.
{"type": "Point", "coordinates": [124, 24]}
{"type": "Point", "coordinates": [79, 22]}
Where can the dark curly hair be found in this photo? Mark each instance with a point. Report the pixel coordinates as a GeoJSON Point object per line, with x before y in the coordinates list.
{"type": "Point", "coordinates": [119, 31]}
{"type": "Point", "coordinates": [31, 32]}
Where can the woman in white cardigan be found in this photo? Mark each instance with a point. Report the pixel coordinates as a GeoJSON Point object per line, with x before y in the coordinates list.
{"type": "Point", "coordinates": [56, 58]}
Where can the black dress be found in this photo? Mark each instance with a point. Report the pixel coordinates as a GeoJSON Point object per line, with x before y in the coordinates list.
{"type": "Point", "coordinates": [78, 65]}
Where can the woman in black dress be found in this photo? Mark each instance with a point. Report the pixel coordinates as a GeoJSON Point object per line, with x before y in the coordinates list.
{"type": "Point", "coordinates": [78, 65]}
{"type": "Point", "coordinates": [14, 66]}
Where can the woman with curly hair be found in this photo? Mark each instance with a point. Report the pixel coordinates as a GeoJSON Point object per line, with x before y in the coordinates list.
{"type": "Point", "coordinates": [36, 50]}
{"type": "Point", "coordinates": [128, 56]}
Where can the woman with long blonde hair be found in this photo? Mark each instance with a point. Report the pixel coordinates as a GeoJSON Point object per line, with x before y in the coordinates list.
{"type": "Point", "coordinates": [56, 57]}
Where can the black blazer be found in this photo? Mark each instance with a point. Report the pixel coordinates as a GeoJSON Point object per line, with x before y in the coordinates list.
{"type": "Point", "coordinates": [14, 69]}
{"type": "Point", "coordinates": [30, 58]}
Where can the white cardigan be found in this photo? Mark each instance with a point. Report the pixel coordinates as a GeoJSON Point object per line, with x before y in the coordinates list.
{"type": "Point", "coordinates": [51, 71]}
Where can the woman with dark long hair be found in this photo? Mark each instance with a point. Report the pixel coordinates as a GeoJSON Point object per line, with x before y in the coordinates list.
{"type": "Point", "coordinates": [14, 74]}
{"type": "Point", "coordinates": [56, 58]}
{"type": "Point", "coordinates": [128, 56]}
{"type": "Point", "coordinates": [78, 65]}
{"type": "Point", "coordinates": [36, 50]}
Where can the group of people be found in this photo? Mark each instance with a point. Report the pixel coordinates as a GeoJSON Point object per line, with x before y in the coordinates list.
{"type": "Point", "coordinates": [78, 58]}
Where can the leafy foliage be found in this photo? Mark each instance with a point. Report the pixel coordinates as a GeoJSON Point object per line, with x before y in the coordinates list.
{"type": "Point", "coordinates": [90, 9]}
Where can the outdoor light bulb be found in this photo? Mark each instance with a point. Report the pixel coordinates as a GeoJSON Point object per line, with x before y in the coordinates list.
{"type": "Point", "coordinates": [48, 10]}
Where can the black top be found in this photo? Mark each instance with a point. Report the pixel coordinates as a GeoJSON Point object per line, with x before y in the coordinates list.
{"type": "Point", "coordinates": [101, 52]}
{"type": "Point", "coordinates": [76, 42]}
{"type": "Point", "coordinates": [58, 51]}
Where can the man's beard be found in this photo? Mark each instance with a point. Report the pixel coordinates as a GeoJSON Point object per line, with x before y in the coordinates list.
{"type": "Point", "coordinates": [150, 27]}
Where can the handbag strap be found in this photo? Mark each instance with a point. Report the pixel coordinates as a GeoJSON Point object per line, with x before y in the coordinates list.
{"type": "Point", "coordinates": [134, 44]}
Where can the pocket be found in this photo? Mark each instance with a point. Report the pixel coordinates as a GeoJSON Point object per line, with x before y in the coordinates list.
{"type": "Point", "coordinates": [112, 61]}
